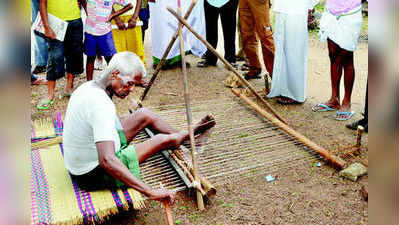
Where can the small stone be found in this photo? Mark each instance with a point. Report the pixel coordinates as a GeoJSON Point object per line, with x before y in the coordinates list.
{"type": "Point", "coordinates": [232, 81]}
{"type": "Point", "coordinates": [354, 171]}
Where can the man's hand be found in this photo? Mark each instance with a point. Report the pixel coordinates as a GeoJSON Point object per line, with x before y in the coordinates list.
{"type": "Point", "coordinates": [48, 32]}
{"type": "Point", "coordinates": [119, 22]}
{"type": "Point", "coordinates": [132, 23]}
{"type": "Point", "coordinates": [162, 195]}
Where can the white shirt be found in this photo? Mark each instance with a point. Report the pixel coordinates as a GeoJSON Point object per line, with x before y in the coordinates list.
{"type": "Point", "coordinates": [294, 6]}
{"type": "Point", "coordinates": [90, 118]}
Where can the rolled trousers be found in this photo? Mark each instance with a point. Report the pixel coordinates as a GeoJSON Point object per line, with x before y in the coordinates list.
{"type": "Point", "coordinates": [255, 20]}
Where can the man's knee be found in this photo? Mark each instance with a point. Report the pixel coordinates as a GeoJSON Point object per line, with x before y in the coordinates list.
{"type": "Point", "coordinates": [144, 115]}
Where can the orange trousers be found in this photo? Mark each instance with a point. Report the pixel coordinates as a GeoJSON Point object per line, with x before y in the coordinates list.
{"type": "Point", "coordinates": [255, 20]}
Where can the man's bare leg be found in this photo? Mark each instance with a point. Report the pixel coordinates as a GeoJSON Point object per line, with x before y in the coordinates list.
{"type": "Point", "coordinates": [162, 142]}
{"type": "Point", "coordinates": [142, 118]}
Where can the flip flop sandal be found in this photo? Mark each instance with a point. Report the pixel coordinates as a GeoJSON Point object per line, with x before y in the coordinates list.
{"type": "Point", "coordinates": [348, 115]}
{"type": "Point", "coordinates": [322, 108]}
{"type": "Point", "coordinates": [45, 104]}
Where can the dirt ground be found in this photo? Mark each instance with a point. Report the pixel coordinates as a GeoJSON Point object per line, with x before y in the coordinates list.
{"type": "Point", "coordinates": [302, 195]}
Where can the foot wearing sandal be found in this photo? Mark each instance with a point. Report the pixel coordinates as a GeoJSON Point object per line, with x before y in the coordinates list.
{"type": "Point", "coordinates": [331, 105]}
{"type": "Point", "coordinates": [344, 113]}
{"type": "Point", "coordinates": [45, 104]}
{"type": "Point", "coordinates": [363, 122]}
{"type": "Point", "coordinates": [253, 74]}
{"type": "Point", "coordinates": [286, 101]}
{"type": "Point", "coordinates": [245, 67]}
{"type": "Point", "coordinates": [39, 81]}
{"type": "Point", "coordinates": [205, 63]}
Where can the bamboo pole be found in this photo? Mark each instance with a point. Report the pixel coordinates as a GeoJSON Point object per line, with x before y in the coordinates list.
{"type": "Point", "coordinates": [165, 54]}
{"type": "Point", "coordinates": [46, 143]}
{"type": "Point", "coordinates": [207, 186]}
{"type": "Point", "coordinates": [334, 160]}
{"type": "Point", "coordinates": [200, 200]}
{"type": "Point", "coordinates": [227, 64]}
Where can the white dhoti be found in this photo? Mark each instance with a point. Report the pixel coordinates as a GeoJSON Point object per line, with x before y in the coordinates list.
{"type": "Point", "coordinates": [344, 30]}
{"type": "Point", "coordinates": [291, 54]}
{"type": "Point", "coordinates": [164, 26]}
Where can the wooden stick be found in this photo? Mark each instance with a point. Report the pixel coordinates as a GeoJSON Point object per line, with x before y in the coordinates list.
{"type": "Point", "coordinates": [334, 160]}
{"type": "Point", "coordinates": [186, 171]}
{"type": "Point", "coordinates": [200, 200]}
{"type": "Point", "coordinates": [207, 186]}
{"type": "Point", "coordinates": [227, 64]}
{"type": "Point", "coordinates": [168, 212]}
{"type": "Point", "coordinates": [165, 54]}
{"type": "Point", "coordinates": [46, 143]}
{"type": "Point", "coordinates": [360, 131]}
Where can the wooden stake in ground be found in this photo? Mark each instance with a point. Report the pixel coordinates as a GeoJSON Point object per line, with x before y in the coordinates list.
{"type": "Point", "coordinates": [165, 54]}
{"type": "Point", "coordinates": [227, 64]}
{"type": "Point", "coordinates": [200, 200]}
{"type": "Point", "coordinates": [168, 212]}
{"type": "Point", "coordinates": [334, 160]}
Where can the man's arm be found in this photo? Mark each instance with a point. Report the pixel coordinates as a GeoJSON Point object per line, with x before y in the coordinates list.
{"type": "Point", "coordinates": [48, 32]}
{"type": "Point", "coordinates": [133, 20]}
{"type": "Point", "coordinates": [110, 163]}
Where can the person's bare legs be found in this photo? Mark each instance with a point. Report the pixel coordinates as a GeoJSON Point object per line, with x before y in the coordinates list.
{"type": "Point", "coordinates": [69, 85]}
{"type": "Point", "coordinates": [90, 67]}
{"type": "Point", "coordinates": [51, 90]}
{"type": "Point", "coordinates": [336, 74]}
{"type": "Point", "coordinates": [142, 118]}
{"type": "Point", "coordinates": [168, 137]}
{"type": "Point", "coordinates": [349, 80]}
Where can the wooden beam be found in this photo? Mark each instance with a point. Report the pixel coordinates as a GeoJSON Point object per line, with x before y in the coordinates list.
{"type": "Point", "coordinates": [227, 64]}
{"type": "Point", "coordinates": [333, 159]}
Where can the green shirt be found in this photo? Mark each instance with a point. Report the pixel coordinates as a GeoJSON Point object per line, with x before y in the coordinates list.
{"type": "Point", "coordinates": [64, 9]}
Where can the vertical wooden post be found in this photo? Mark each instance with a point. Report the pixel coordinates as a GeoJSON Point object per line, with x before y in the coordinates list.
{"type": "Point", "coordinates": [200, 200]}
{"type": "Point", "coordinates": [165, 54]}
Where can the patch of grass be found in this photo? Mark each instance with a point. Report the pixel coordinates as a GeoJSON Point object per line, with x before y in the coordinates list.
{"type": "Point", "coordinates": [182, 208]}
{"type": "Point", "coordinates": [193, 217]}
{"type": "Point", "coordinates": [178, 222]}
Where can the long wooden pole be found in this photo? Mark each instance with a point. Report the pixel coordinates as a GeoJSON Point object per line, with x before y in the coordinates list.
{"type": "Point", "coordinates": [333, 159]}
{"type": "Point", "coordinates": [200, 200]}
{"type": "Point", "coordinates": [228, 65]}
{"type": "Point", "coordinates": [165, 54]}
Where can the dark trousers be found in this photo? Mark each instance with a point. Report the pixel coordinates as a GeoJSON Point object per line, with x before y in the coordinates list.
{"type": "Point", "coordinates": [228, 15]}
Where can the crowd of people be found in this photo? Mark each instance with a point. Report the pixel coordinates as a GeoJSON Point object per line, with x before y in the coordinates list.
{"type": "Point", "coordinates": [101, 28]}
{"type": "Point", "coordinates": [97, 152]}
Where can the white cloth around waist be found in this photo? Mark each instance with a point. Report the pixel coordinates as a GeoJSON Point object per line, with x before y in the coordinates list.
{"type": "Point", "coordinates": [344, 30]}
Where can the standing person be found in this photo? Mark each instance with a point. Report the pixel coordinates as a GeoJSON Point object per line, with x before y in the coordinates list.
{"type": "Point", "coordinates": [129, 38]}
{"type": "Point", "coordinates": [291, 42]}
{"type": "Point", "coordinates": [340, 25]}
{"type": "Point", "coordinates": [63, 55]}
{"type": "Point", "coordinates": [227, 11]}
{"type": "Point", "coordinates": [365, 121]}
{"type": "Point", "coordinates": [255, 20]}
{"type": "Point", "coordinates": [40, 48]}
{"type": "Point", "coordinates": [98, 35]}
{"type": "Point", "coordinates": [164, 25]}
{"type": "Point", "coordinates": [144, 15]}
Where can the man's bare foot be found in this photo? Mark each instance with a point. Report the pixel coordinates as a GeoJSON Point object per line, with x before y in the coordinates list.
{"type": "Point", "coordinates": [39, 81]}
{"type": "Point", "coordinates": [205, 124]}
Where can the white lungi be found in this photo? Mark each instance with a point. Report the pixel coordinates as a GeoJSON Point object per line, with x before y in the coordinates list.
{"type": "Point", "coordinates": [164, 26]}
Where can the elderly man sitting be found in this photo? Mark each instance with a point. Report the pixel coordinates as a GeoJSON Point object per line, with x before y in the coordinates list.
{"type": "Point", "coordinates": [96, 147]}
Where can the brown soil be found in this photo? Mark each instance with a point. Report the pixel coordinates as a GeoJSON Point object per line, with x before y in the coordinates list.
{"type": "Point", "coordinates": [304, 195]}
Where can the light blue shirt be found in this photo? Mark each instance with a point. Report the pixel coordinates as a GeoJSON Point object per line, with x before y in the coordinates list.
{"type": "Point", "coordinates": [217, 3]}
